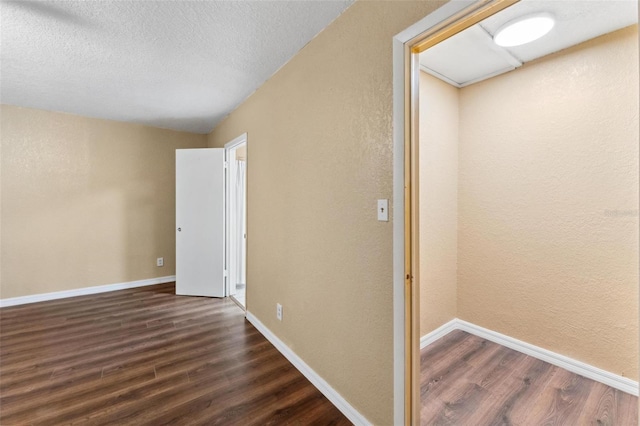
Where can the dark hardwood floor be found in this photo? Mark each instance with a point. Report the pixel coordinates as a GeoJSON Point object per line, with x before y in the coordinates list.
{"type": "Point", "coordinates": [147, 356]}
{"type": "Point", "coordinates": [466, 380]}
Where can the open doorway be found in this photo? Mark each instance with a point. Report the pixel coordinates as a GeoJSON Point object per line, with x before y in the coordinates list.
{"type": "Point", "coordinates": [524, 231]}
{"type": "Point", "coordinates": [236, 247]}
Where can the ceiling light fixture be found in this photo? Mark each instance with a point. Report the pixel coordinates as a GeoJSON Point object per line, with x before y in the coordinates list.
{"type": "Point", "coordinates": [523, 30]}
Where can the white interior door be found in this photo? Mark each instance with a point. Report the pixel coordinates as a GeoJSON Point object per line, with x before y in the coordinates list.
{"type": "Point", "coordinates": [200, 222]}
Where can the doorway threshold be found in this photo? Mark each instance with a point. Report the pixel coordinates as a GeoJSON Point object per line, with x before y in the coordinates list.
{"type": "Point", "coordinates": [237, 302]}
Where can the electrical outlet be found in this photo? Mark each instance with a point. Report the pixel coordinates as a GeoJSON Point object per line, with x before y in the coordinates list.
{"type": "Point", "coordinates": [279, 311]}
{"type": "Point", "coordinates": [160, 261]}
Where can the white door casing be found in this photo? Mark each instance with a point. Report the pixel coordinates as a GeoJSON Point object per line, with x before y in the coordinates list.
{"type": "Point", "coordinates": [232, 240]}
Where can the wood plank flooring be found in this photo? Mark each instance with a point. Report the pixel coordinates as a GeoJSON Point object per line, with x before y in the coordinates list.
{"type": "Point", "coordinates": [466, 380]}
{"type": "Point", "coordinates": [147, 356]}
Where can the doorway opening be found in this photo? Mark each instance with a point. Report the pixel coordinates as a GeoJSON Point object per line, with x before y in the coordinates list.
{"type": "Point", "coordinates": [558, 197]}
{"type": "Point", "coordinates": [236, 238]}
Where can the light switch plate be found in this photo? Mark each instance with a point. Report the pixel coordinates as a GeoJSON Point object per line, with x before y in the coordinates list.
{"type": "Point", "coordinates": [383, 210]}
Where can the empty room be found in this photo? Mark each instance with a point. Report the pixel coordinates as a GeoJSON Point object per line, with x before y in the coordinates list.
{"type": "Point", "coordinates": [205, 216]}
{"type": "Point", "coordinates": [528, 219]}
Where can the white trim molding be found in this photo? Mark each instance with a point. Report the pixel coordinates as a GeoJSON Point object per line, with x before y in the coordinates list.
{"type": "Point", "coordinates": [336, 399]}
{"type": "Point", "coordinates": [229, 244]}
{"type": "Point", "coordinates": [236, 141]}
{"type": "Point", "coordinates": [13, 301]}
{"type": "Point", "coordinates": [398, 221]}
{"type": "Point", "coordinates": [578, 367]}
{"type": "Point", "coordinates": [438, 333]}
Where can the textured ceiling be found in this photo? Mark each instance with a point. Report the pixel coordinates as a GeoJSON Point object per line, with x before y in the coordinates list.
{"type": "Point", "coordinates": [471, 55]}
{"type": "Point", "coordinates": [181, 65]}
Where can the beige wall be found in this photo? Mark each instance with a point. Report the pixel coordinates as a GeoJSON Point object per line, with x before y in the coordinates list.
{"type": "Point", "coordinates": [548, 203]}
{"type": "Point", "coordinates": [321, 154]}
{"type": "Point", "coordinates": [85, 202]}
{"type": "Point", "coordinates": [438, 204]}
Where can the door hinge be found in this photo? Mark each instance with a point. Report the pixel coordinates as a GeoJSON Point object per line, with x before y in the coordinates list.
{"type": "Point", "coordinates": [226, 274]}
{"type": "Point", "coordinates": [225, 164]}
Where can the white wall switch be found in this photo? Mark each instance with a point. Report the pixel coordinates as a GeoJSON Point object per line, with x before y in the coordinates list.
{"type": "Point", "coordinates": [160, 261]}
{"type": "Point", "coordinates": [383, 210]}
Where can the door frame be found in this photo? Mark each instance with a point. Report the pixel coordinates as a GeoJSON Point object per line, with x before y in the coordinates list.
{"type": "Point", "coordinates": [229, 242]}
{"type": "Point", "coordinates": [441, 24]}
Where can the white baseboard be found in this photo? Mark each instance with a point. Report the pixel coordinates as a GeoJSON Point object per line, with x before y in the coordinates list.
{"type": "Point", "coordinates": [589, 371]}
{"type": "Point", "coordinates": [439, 332]}
{"type": "Point", "coordinates": [336, 399]}
{"type": "Point", "coordinates": [83, 291]}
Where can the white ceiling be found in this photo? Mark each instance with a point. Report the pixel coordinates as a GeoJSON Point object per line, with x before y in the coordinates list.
{"type": "Point", "coordinates": [471, 56]}
{"type": "Point", "coordinates": [181, 65]}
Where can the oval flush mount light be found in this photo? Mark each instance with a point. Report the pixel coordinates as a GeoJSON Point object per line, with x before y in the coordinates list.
{"type": "Point", "coordinates": [523, 30]}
